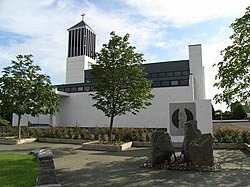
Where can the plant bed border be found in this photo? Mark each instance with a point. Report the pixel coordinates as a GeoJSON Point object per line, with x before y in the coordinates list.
{"type": "Point", "coordinates": [102, 147]}
{"type": "Point", "coordinates": [14, 141]}
{"type": "Point", "coordinates": [247, 147]}
{"type": "Point", "coordinates": [178, 145]}
{"type": "Point", "coordinates": [228, 146]}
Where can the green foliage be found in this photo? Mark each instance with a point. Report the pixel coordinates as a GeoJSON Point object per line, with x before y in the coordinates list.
{"type": "Point", "coordinates": [232, 135]}
{"type": "Point", "coordinates": [237, 111]}
{"type": "Point", "coordinates": [120, 81]}
{"type": "Point", "coordinates": [246, 107]}
{"type": "Point", "coordinates": [24, 91]}
{"type": "Point", "coordinates": [4, 122]}
{"type": "Point", "coordinates": [234, 70]}
{"type": "Point", "coordinates": [97, 133]}
{"type": "Point", "coordinates": [18, 169]}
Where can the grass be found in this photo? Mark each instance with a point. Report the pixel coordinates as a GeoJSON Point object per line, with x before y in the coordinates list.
{"type": "Point", "coordinates": [18, 170]}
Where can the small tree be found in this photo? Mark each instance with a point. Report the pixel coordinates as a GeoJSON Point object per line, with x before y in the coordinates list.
{"type": "Point", "coordinates": [120, 81]}
{"type": "Point", "coordinates": [237, 111]}
{"type": "Point", "coordinates": [234, 70]}
{"type": "Point", "coordinates": [24, 91]}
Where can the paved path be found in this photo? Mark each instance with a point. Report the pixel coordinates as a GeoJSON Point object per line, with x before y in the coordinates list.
{"type": "Point", "coordinates": [77, 167]}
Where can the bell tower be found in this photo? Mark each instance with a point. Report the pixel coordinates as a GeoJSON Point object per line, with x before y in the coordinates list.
{"type": "Point", "coordinates": [81, 51]}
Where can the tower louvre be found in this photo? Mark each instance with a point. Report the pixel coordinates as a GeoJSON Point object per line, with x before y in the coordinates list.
{"type": "Point", "coordinates": [81, 40]}
{"type": "Point", "coordinates": [81, 51]}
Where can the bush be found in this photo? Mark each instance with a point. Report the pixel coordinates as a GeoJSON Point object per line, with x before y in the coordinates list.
{"type": "Point", "coordinates": [97, 133]}
{"type": "Point", "coordinates": [231, 135]}
{"type": "Point", "coordinates": [4, 122]}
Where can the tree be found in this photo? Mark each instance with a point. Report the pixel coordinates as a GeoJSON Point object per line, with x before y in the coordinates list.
{"type": "Point", "coordinates": [24, 91]}
{"type": "Point", "coordinates": [237, 111]}
{"type": "Point", "coordinates": [246, 107]}
{"type": "Point", "coordinates": [120, 81]}
{"type": "Point", "coordinates": [234, 70]}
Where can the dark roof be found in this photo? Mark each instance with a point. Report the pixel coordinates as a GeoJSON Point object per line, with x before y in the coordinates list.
{"type": "Point", "coordinates": [180, 65]}
{"type": "Point", "coordinates": [157, 67]}
{"type": "Point", "coordinates": [80, 25]}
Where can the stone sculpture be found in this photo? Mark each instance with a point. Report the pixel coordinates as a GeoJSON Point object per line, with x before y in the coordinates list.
{"type": "Point", "coordinates": [197, 150]}
{"type": "Point", "coordinates": [191, 134]}
{"type": "Point", "coordinates": [201, 151]}
{"type": "Point", "coordinates": [161, 147]}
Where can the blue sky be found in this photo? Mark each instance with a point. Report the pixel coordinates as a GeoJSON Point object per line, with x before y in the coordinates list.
{"type": "Point", "coordinates": [160, 29]}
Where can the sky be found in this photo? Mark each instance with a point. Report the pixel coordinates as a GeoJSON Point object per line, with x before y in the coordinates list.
{"type": "Point", "coordinates": [160, 29]}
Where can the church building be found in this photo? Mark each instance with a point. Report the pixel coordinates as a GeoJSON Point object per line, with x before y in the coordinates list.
{"type": "Point", "coordinates": [178, 86]}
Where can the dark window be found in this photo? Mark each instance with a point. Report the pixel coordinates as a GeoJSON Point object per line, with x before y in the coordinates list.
{"type": "Point", "coordinates": [170, 74]}
{"type": "Point", "coordinates": [177, 73]}
{"type": "Point", "coordinates": [61, 89]}
{"type": "Point", "coordinates": [67, 89]}
{"type": "Point", "coordinates": [165, 83]}
{"type": "Point", "coordinates": [184, 82]}
{"type": "Point", "coordinates": [80, 89]}
{"type": "Point", "coordinates": [86, 88]}
{"type": "Point", "coordinates": [174, 83]}
{"type": "Point", "coordinates": [185, 73]}
{"type": "Point", "coordinates": [154, 75]}
{"type": "Point", "coordinates": [162, 74]}
{"type": "Point", "coordinates": [73, 89]}
{"type": "Point", "coordinates": [92, 88]}
{"type": "Point", "coordinates": [156, 84]}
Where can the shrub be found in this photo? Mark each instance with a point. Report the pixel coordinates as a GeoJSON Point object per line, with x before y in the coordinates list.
{"type": "Point", "coordinates": [232, 135]}
{"type": "Point", "coordinates": [4, 122]}
{"type": "Point", "coordinates": [95, 133]}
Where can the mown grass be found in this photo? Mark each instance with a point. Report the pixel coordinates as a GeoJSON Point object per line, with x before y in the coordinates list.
{"type": "Point", "coordinates": [18, 170]}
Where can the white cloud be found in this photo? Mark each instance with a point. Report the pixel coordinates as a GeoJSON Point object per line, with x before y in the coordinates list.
{"type": "Point", "coordinates": [211, 56]}
{"type": "Point", "coordinates": [43, 24]}
{"type": "Point", "coordinates": [182, 13]}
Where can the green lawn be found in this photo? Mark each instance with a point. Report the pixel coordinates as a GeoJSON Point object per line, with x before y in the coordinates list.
{"type": "Point", "coordinates": [18, 170]}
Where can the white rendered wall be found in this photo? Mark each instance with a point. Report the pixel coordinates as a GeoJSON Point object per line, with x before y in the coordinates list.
{"type": "Point", "coordinates": [197, 70]}
{"type": "Point", "coordinates": [77, 110]}
{"type": "Point", "coordinates": [75, 70]}
{"type": "Point", "coordinates": [88, 60]}
{"type": "Point", "coordinates": [204, 115]}
{"type": "Point", "coordinates": [42, 119]}
{"type": "Point", "coordinates": [203, 110]}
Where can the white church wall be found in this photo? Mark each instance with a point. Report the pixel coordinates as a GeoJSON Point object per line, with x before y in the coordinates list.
{"type": "Point", "coordinates": [78, 110]}
{"type": "Point", "coordinates": [41, 119]}
{"type": "Point", "coordinates": [88, 62]}
{"type": "Point", "coordinates": [197, 70]}
{"type": "Point", "coordinates": [75, 70]}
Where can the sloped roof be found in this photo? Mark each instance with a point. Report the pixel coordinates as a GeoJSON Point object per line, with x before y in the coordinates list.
{"type": "Point", "coordinates": [81, 24]}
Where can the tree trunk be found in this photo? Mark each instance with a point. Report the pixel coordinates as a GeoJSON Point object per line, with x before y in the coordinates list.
{"type": "Point", "coordinates": [19, 127]}
{"type": "Point", "coordinates": [111, 128]}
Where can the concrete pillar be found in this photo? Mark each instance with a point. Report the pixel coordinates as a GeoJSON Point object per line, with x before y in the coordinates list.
{"type": "Point", "coordinates": [197, 70]}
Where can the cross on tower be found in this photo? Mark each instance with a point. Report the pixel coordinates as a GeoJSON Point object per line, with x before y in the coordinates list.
{"type": "Point", "coordinates": [83, 16]}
